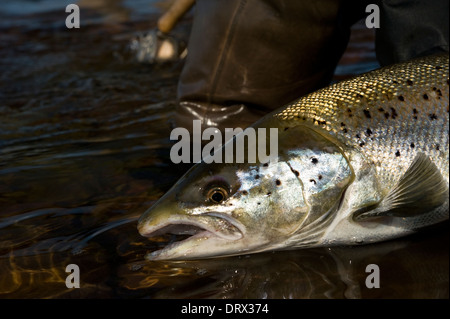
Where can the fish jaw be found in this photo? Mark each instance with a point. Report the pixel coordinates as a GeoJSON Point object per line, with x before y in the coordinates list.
{"type": "Point", "coordinates": [205, 244]}
{"type": "Point", "coordinates": [211, 233]}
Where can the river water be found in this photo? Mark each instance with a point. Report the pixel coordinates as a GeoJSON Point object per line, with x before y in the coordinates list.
{"type": "Point", "coordinates": [84, 151]}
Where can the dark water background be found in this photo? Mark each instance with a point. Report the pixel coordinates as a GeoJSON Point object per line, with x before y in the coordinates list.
{"type": "Point", "coordinates": [84, 150]}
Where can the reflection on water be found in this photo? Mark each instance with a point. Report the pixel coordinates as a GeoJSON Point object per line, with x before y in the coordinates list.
{"type": "Point", "coordinates": [84, 150]}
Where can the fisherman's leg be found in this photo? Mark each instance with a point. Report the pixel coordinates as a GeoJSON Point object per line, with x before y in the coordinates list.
{"type": "Point", "coordinates": [248, 57]}
{"type": "Point", "coordinates": [411, 28]}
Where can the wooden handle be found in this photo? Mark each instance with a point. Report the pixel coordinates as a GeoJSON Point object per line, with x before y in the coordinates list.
{"type": "Point", "coordinates": [167, 22]}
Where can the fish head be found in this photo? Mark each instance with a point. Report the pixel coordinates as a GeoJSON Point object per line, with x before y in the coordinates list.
{"type": "Point", "coordinates": [227, 210]}
{"type": "Point", "coordinates": [239, 208]}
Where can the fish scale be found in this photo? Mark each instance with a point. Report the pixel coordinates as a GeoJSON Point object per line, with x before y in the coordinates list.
{"type": "Point", "coordinates": [390, 114]}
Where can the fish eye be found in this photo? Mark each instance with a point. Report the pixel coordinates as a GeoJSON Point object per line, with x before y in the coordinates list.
{"type": "Point", "coordinates": [217, 194]}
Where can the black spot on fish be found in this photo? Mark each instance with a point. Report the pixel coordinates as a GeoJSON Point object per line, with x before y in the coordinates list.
{"type": "Point", "coordinates": [394, 113]}
{"type": "Point", "coordinates": [425, 96]}
{"type": "Point", "coordinates": [269, 193]}
{"type": "Point", "coordinates": [409, 82]}
{"type": "Point", "coordinates": [244, 193]}
{"type": "Point", "coordinates": [415, 111]}
{"type": "Point", "coordinates": [345, 130]}
{"type": "Point", "coordinates": [367, 114]}
{"type": "Point", "coordinates": [319, 122]}
{"type": "Point", "coordinates": [397, 153]}
{"type": "Point", "coordinates": [401, 98]}
{"type": "Point", "coordinates": [439, 67]}
{"type": "Point", "coordinates": [314, 160]}
{"type": "Point", "coordinates": [369, 132]}
{"type": "Point", "coordinates": [395, 82]}
{"type": "Point", "coordinates": [415, 117]}
{"type": "Point", "coordinates": [313, 181]}
{"type": "Point", "coordinates": [342, 124]}
{"type": "Point", "coordinates": [433, 117]}
{"type": "Point", "coordinates": [278, 182]}
{"type": "Point", "coordinates": [386, 115]}
{"type": "Point", "coordinates": [359, 95]}
{"type": "Point", "coordinates": [434, 88]}
{"type": "Point", "coordinates": [437, 147]}
{"type": "Point", "coordinates": [320, 177]}
{"type": "Point", "coordinates": [286, 128]}
{"type": "Point", "coordinates": [296, 173]}
{"type": "Point", "coordinates": [439, 92]}
{"type": "Point", "coordinates": [362, 144]}
{"type": "Point", "coordinates": [412, 145]}
{"type": "Point", "coordinates": [259, 203]}
{"type": "Point", "coordinates": [380, 109]}
{"type": "Point", "coordinates": [266, 164]}
{"type": "Point", "coordinates": [358, 136]}
{"type": "Point", "coordinates": [256, 176]}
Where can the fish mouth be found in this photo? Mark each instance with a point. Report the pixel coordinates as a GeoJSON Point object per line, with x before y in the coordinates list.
{"type": "Point", "coordinates": [189, 231]}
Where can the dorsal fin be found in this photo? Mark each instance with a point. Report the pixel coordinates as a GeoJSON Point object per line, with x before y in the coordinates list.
{"type": "Point", "coordinates": [420, 190]}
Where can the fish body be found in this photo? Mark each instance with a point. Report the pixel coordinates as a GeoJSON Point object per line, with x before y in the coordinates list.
{"type": "Point", "coordinates": [361, 161]}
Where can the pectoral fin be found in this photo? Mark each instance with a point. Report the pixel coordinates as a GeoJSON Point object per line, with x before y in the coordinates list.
{"type": "Point", "coordinates": [420, 190]}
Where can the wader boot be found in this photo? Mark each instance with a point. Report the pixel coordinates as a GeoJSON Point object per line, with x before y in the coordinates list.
{"type": "Point", "coordinates": [249, 57]}
{"type": "Point", "coordinates": [410, 29]}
